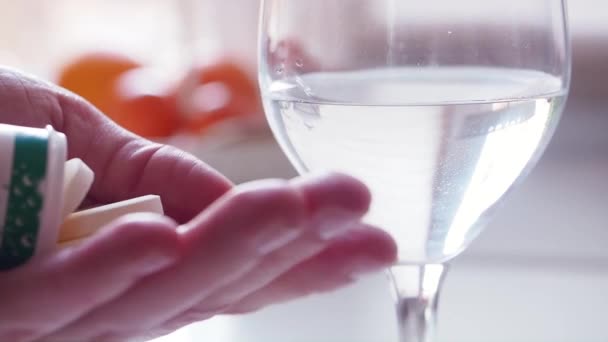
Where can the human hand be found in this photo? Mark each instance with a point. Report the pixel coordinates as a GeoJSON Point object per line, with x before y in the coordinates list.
{"type": "Point", "coordinates": [224, 249]}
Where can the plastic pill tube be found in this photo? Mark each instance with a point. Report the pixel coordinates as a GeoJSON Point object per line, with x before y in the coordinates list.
{"type": "Point", "coordinates": [32, 164]}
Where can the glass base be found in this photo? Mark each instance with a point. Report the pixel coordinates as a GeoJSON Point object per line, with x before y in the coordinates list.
{"type": "Point", "coordinates": [416, 290]}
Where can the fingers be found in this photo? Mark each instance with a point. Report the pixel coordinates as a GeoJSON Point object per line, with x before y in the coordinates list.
{"type": "Point", "coordinates": [47, 294]}
{"type": "Point", "coordinates": [323, 191]}
{"type": "Point", "coordinates": [326, 222]}
{"type": "Point", "coordinates": [225, 242]}
{"type": "Point", "coordinates": [234, 237]}
{"type": "Point", "coordinates": [348, 257]}
{"type": "Point", "coordinates": [360, 252]}
{"type": "Point", "coordinates": [138, 167]}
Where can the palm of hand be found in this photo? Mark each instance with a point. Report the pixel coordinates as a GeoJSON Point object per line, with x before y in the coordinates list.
{"type": "Point", "coordinates": [225, 249]}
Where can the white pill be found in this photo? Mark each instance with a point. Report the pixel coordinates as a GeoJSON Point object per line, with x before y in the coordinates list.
{"type": "Point", "coordinates": [84, 223]}
{"type": "Point", "coordinates": [77, 181]}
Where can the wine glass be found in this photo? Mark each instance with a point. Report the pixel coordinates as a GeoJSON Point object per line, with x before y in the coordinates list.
{"type": "Point", "coordinates": [440, 107]}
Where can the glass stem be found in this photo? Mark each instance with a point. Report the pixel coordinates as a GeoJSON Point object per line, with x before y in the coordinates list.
{"type": "Point", "coordinates": [417, 290]}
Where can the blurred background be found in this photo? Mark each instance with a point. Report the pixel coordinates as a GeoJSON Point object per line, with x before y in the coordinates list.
{"type": "Point", "coordinates": [183, 72]}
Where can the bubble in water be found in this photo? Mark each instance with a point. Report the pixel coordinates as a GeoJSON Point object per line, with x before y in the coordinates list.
{"type": "Point", "coordinates": [309, 113]}
{"type": "Point", "coordinates": [299, 63]}
{"type": "Point", "coordinates": [280, 70]}
{"type": "Point", "coordinates": [303, 86]}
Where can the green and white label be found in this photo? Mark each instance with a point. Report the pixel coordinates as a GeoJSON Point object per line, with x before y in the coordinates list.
{"type": "Point", "coordinates": [21, 198]}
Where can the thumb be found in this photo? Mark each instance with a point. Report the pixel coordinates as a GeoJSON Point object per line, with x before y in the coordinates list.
{"type": "Point", "coordinates": [125, 165]}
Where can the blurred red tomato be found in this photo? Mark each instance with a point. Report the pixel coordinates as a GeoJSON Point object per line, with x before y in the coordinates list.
{"type": "Point", "coordinates": [143, 104]}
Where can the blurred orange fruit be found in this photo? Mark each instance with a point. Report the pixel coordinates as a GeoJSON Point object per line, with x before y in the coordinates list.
{"type": "Point", "coordinates": [216, 92]}
{"type": "Point", "coordinates": [92, 76]}
{"type": "Point", "coordinates": [143, 105]}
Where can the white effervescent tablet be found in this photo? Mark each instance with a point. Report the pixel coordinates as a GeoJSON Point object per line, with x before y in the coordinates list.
{"type": "Point", "coordinates": [84, 223]}
{"type": "Point", "coordinates": [77, 181]}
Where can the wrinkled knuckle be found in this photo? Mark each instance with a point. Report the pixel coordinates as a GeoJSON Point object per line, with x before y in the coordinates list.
{"type": "Point", "coordinates": [145, 226]}
{"type": "Point", "coordinates": [253, 190]}
{"type": "Point", "coordinates": [275, 192]}
{"type": "Point", "coordinates": [242, 197]}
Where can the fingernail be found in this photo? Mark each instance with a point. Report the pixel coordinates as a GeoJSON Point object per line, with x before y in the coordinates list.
{"type": "Point", "coordinates": [274, 238]}
{"type": "Point", "coordinates": [336, 223]}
